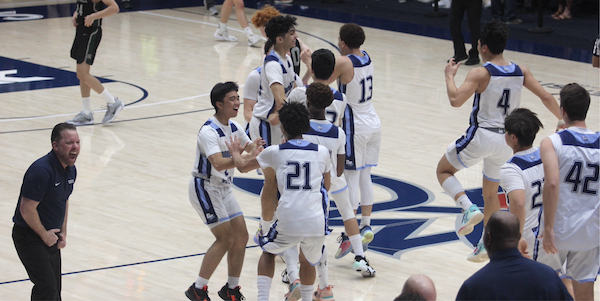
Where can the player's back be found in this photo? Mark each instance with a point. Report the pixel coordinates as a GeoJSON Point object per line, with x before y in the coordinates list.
{"type": "Point", "coordinates": [359, 93]}
{"type": "Point", "coordinates": [275, 69]}
{"type": "Point", "coordinates": [577, 225]}
{"type": "Point", "coordinates": [299, 166]}
{"type": "Point", "coordinates": [501, 96]}
{"type": "Point", "coordinates": [526, 171]}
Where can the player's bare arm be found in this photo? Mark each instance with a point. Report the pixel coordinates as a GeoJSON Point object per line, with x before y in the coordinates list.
{"type": "Point", "coordinates": [550, 192]}
{"type": "Point", "coordinates": [476, 81]}
{"type": "Point", "coordinates": [547, 99]}
{"type": "Point", "coordinates": [344, 70]}
{"type": "Point", "coordinates": [111, 8]}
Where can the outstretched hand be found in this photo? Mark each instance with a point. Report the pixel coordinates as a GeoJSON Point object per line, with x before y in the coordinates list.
{"type": "Point", "coordinates": [235, 146]}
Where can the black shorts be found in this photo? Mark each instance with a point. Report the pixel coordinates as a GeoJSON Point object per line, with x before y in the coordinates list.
{"type": "Point", "coordinates": [85, 44]}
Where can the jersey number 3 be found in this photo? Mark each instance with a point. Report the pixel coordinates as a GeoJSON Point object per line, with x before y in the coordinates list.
{"type": "Point", "coordinates": [367, 88]}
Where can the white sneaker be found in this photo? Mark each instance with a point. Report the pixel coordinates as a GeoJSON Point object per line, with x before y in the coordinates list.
{"type": "Point", "coordinates": [254, 39]}
{"type": "Point", "coordinates": [479, 254]}
{"type": "Point", "coordinates": [223, 35]}
{"type": "Point", "coordinates": [112, 111]}
{"type": "Point", "coordinates": [82, 119]}
{"type": "Point", "coordinates": [362, 266]}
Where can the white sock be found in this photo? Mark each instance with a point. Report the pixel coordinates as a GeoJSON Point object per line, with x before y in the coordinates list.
{"type": "Point", "coordinates": [233, 282]}
{"type": "Point", "coordinates": [86, 104]}
{"type": "Point", "coordinates": [322, 270]}
{"type": "Point", "coordinates": [356, 242]}
{"type": "Point", "coordinates": [248, 31]}
{"type": "Point", "coordinates": [306, 291]}
{"type": "Point", "coordinates": [365, 221]}
{"type": "Point", "coordinates": [464, 202]}
{"type": "Point", "coordinates": [107, 96]}
{"type": "Point", "coordinates": [263, 283]}
{"type": "Point", "coordinates": [222, 26]}
{"type": "Point", "coordinates": [291, 257]}
{"type": "Point", "coordinates": [201, 282]}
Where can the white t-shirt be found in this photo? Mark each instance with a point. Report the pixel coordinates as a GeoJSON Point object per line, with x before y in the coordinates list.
{"type": "Point", "coordinates": [299, 167]}
{"type": "Point", "coordinates": [252, 85]}
{"type": "Point", "coordinates": [211, 140]}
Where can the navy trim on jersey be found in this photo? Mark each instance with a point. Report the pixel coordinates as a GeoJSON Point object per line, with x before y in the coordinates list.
{"type": "Point", "coordinates": [494, 71]}
{"type": "Point", "coordinates": [272, 58]}
{"type": "Point", "coordinates": [463, 142]}
{"type": "Point", "coordinates": [473, 118]}
{"type": "Point", "coordinates": [264, 129]}
{"type": "Point", "coordinates": [348, 126]}
{"type": "Point", "coordinates": [233, 127]}
{"type": "Point", "coordinates": [216, 127]}
{"type": "Point", "coordinates": [526, 161]}
{"type": "Point", "coordinates": [303, 145]}
{"type": "Point", "coordinates": [204, 166]}
{"type": "Point", "coordinates": [536, 233]}
{"type": "Point", "coordinates": [270, 237]}
{"type": "Point", "coordinates": [205, 202]}
{"type": "Point", "coordinates": [326, 130]}
{"type": "Point", "coordinates": [356, 62]}
{"type": "Point", "coordinates": [580, 140]}
{"type": "Point", "coordinates": [337, 95]}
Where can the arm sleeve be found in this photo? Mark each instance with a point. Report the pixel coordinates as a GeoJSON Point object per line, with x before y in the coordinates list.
{"type": "Point", "coordinates": [252, 85]}
{"type": "Point", "coordinates": [208, 141]}
{"type": "Point", "coordinates": [35, 183]}
{"type": "Point", "coordinates": [511, 178]}
{"type": "Point", "coordinates": [274, 73]}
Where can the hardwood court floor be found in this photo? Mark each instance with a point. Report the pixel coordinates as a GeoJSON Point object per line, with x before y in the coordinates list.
{"type": "Point", "coordinates": [133, 234]}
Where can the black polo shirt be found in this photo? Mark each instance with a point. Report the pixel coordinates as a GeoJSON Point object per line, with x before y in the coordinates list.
{"type": "Point", "coordinates": [48, 183]}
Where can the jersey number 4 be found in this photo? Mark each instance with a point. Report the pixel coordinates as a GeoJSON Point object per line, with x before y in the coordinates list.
{"type": "Point", "coordinates": [504, 101]}
{"type": "Point", "coordinates": [575, 174]}
{"type": "Point", "coordinates": [301, 173]}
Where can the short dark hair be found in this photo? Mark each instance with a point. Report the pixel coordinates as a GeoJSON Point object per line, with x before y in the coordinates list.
{"type": "Point", "coordinates": [218, 92]}
{"type": "Point", "coordinates": [575, 100]}
{"type": "Point", "coordinates": [294, 118]}
{"type": "Point", "coordinates": [353, 35]}
{"type": "Point", "coordinates": [323, 63]}
{"type": "Point", "coordinates": [406, 296]}
{"type": "Point", "coordinates": [58, 129]}
{"type": "Point", "coordinates": [319, 95]}
{"type": "Point", "coordinates": [279, 26]}
{"type": "Point", "coordinates": [494, 35]}
{"type": "Point", "coordinates": [502, 231]}
{"type": "Point", "coordinates": [524, 124]}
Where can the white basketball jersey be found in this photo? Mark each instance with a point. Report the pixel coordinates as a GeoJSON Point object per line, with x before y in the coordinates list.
{"type": "Point", "coordinates": [333, 112]}
{"type": "Point", "coordinates": [252, 85]}
{"type": "Point", "coordinates": [211, 140]}
{"type": "Point", "coordinates": [359, 92]}
{"type": "Point", "coordinates": [525, 172]}
{"type": "Point", "coordinates": [577, 224]}
{"type": "Point", "coordinates": [275, 70]}
{"type": "Point", "coordinates": [323, 132]}
{"type": "Point", "coordinates": [501, 96]}
{"type": "Point", "coordinates": [299, 166]}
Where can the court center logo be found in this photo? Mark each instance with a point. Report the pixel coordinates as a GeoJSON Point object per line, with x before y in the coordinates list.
{"type": "Point", "coordinates": [396, 236]}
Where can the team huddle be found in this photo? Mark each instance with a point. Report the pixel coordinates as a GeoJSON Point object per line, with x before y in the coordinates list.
{"type": "Point", "coordinates": [314, 144]}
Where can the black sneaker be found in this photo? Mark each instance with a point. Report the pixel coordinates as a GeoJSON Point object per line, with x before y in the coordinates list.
{"type": "Point", "coordinates": [473, 60]}
{"type": "Point", "coordinates": [197, 294]}
{"type": "Point", "coordinates": [229, 294]}
{"type": "Point", "coordinates": [459, 59]}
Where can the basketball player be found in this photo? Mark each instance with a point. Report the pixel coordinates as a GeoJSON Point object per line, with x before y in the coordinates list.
{"type": "Point", "coordinates": [277, 79]}
{"type": "Point", "coordinates": [223, 35]}
{"type": "Point", "coordinates": [323, 63]}
{"type": "Point", "coordinates": [571, 160]}
{"type": "Point", "coordinates": [497, 87]}
{"type": "Point", "coordinates": [211, 194]}
{"type": "Point", "coordinates": [354, 72]}
{"type": "Point", "coordinates": [299, 171]}
{"type": "Point", "coordinates": [88, 22]}
{"type": "Point", "coordinates": [522, 177]}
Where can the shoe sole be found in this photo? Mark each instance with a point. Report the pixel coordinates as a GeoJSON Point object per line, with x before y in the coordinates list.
{"type": "Point", "coordinates": [119, 109]}
{"type": "Point", "coordinates": [341, 253]}
{"type": "Point", "coordinates": [478, 258]}
{"type": "Point", "coordinates": [220, 38]}
{"type": "Point", "coordinates": [468, 228]}
{"type": "Point", "coordinates": [319, 298]}
{"type": "Point", "coordinates": [295, 294]}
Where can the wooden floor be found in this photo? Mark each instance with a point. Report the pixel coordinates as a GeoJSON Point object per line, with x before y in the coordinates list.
{"type": "Point", "coordinates": [133, 234]}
